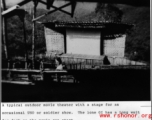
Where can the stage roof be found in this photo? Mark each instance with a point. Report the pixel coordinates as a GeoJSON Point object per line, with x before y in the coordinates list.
{"type": "Point", "coordinates": [110, 29]}
{"type": "Point", "coordinates": [86, 24]}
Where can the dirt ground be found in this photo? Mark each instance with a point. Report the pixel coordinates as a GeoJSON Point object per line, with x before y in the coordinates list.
{"type": "Point", "coordinates": [72, 92]}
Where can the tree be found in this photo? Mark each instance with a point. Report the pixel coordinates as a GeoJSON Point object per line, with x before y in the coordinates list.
{"type": "Point", "coordinates": [108, 12]}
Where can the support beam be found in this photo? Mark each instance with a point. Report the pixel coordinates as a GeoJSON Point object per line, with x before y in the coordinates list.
{"type": "Point", "coordinates": [4, 31]}
{"type": "Point", "coordinates": [35, 2]}
{"type": "Point", "coordinates": [35, 19]}
{"type": "Point", "coordinates": [49, 3]}
{"type": "Point", "coordinates": [23, 2]}
{"type": "Point", "coordinates": [73, 6]}
{"type": "Point", "coordinates": [61, 10]}
{"type": "Point", "coordinates": [8, 11]}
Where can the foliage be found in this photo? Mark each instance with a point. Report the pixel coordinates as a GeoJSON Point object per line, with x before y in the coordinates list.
{"type": "Point", "coordinates": [138, 41]}
{"type": "Point", "coordinates": [108, 12]}
{"type": "Point", "coordinates": [15, 36]}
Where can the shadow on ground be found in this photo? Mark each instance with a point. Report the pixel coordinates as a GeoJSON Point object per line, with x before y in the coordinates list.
{"type": "Point", "coordinates": [108, 85]}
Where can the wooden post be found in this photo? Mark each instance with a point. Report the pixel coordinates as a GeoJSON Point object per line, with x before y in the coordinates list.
{"type": "Point", "coordinates": [4, 31]}
{"type": "Point", "coordinates": [65, 43]}
{"type": "Point", "coordinates": [26, 53]}
{"type": "Point", "coordinates": [101, 43]}
{"type": "Point", "coordinates": [25, 42]}
{"type": "Point", "coordinates": [34, 33]}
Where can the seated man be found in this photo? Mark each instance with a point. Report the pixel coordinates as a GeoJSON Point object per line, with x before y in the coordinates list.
{"type": "Point", "coordinates": [58, 62]}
